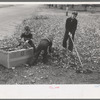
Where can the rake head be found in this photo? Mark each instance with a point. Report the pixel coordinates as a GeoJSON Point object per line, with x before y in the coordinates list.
{"type": "Point", "coordinates": [86, 71]}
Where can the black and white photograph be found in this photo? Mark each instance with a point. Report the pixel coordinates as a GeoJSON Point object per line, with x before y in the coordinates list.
{"type": "Point", "coordinates": [49, 44]}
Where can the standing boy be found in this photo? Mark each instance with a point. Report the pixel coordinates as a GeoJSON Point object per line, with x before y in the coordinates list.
{"type": "Point", "coordinates": [70, 28]}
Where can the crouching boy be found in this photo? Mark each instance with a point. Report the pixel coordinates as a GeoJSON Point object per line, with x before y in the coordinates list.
{"type": "Point", "coordinates": [27, 37]}
{"type": "Point", "coordinates": [45, 45]}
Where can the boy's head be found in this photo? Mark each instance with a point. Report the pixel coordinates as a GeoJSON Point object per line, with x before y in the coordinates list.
{"type": "Point", "coordinates": [27, 29]}
{"type": "Point", "coordinates": [74, 14]}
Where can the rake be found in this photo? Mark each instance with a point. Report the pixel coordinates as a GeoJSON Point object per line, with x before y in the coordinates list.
{"type": "Point", "coordinates": [82, 71]}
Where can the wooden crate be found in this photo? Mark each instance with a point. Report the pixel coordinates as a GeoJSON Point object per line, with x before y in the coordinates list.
{"type": "Point", "coordinates": [14, 58]}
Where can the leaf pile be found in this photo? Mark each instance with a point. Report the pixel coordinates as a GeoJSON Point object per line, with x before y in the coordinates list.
{"type": "Point", "coordinates": [88, 39]}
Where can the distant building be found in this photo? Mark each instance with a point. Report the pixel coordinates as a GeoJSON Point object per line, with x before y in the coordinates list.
{"type": "Point", "coordinates": [82, 7]}
{"type": "Point", "coordinates": [92, 8]}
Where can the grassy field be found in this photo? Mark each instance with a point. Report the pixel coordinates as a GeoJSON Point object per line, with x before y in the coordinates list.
{"type": "Point", "coordinates": [61, 68]}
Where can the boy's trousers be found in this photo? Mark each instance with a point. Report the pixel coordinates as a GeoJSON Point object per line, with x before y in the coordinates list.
{"type": "Point", "coordinates": [70, 43]}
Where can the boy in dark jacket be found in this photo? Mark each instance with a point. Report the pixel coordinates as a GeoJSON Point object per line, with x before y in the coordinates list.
{"type": "Point", "coordinates": [70, 28]}
{"type": "Point", "coordinates": [45, 45]}
{"type": "Point", "coordinates": [27, 37]}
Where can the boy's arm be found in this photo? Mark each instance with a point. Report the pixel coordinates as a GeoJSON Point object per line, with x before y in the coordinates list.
{"type": "Point", "coordinates": [21, 40]}
{"type": "Point", "coordinates": [75, 27]}
{"type": "Point", "coordinates": [22, 37]}
{"type": "Point", "coordinates": [66, 24]}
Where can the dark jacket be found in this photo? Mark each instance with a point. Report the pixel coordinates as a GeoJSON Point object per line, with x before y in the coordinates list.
{"type": "Point", "coordinates": [71, 25]}
{"type": "Point", "coordinates": [26, 36]}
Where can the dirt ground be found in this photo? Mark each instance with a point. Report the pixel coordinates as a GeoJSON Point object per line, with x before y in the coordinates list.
{"type": "Point", "coordinates": [51, 73]}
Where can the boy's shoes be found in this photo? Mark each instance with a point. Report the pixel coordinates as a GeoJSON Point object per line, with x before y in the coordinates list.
{"type": "Point", "coordinates": [71, 52]}
{"type": "Point", "coordinates": [31, 63]}
{"type": "Point", "coordinates": [45, 62]}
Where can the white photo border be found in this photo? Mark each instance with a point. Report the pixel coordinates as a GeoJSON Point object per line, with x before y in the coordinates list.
{"type": "Point", "coordinates": [68, 91]}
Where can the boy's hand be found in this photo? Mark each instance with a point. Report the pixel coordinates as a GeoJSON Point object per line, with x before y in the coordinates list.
{"type": "Point", "coordinates": [26, 41]}
{"type": "Point", "coordinates": [70, 34]}
{"type": "Point", "coordinates": [27, 45]}
{"type": "Point", "coordinates": [22, 40]}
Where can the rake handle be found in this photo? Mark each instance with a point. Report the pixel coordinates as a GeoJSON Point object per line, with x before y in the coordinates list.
{"type": "Point", "coordinates": [76, 51]}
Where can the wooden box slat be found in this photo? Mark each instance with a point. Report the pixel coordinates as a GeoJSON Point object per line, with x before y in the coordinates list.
{"type": "Point", "coordinates": [14, 58]}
